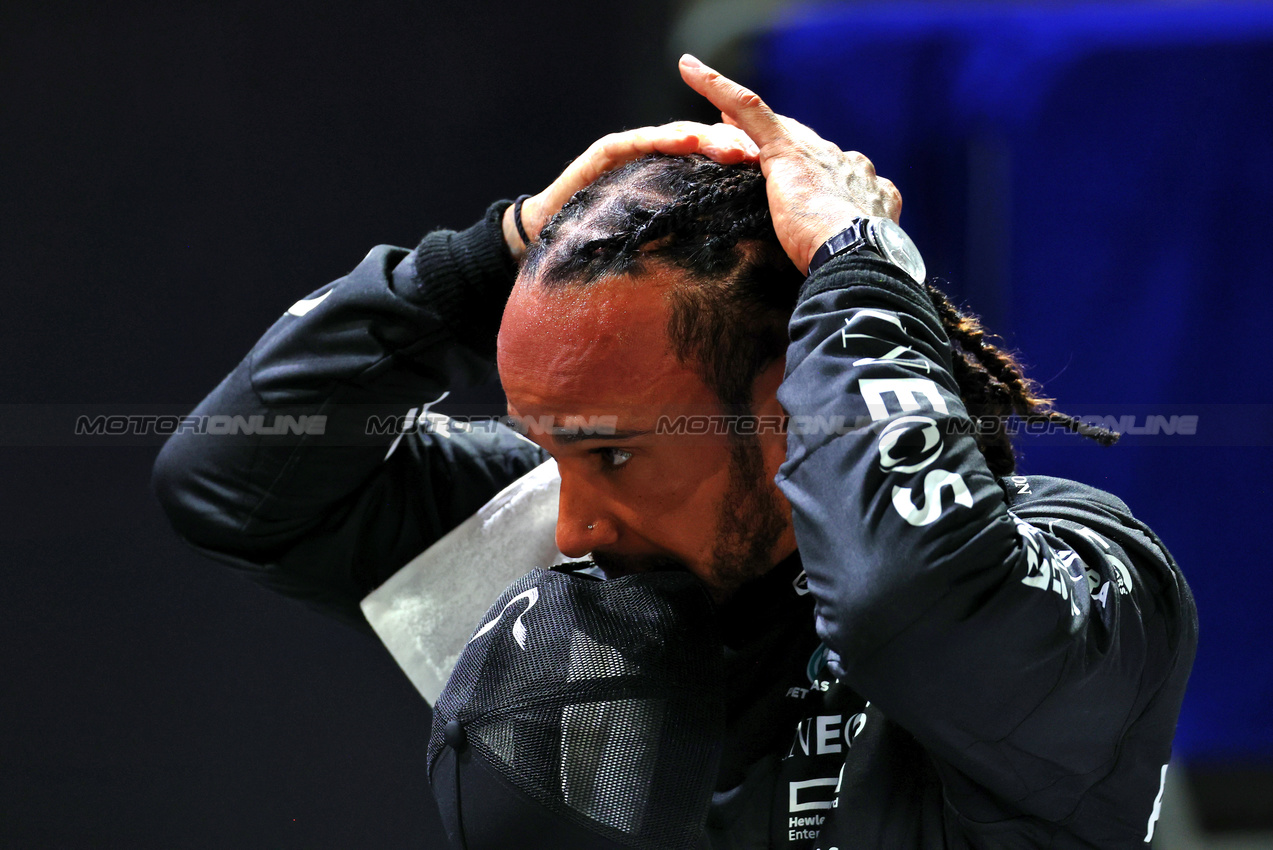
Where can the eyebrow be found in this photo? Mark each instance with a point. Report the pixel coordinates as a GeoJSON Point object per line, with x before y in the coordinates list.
{"type": "Point", "coordinates": [571, 436]}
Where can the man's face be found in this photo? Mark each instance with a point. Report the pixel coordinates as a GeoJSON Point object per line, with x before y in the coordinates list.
{"type": "Point", "coordinates": [636, 499]}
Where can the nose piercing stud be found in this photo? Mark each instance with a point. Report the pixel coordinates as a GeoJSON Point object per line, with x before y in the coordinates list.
{"type": "Point", "coordinates": [590, 526]}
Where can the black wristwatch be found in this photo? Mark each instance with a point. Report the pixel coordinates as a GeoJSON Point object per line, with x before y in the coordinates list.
{"type": "Point", "coordinates": [873, 236]}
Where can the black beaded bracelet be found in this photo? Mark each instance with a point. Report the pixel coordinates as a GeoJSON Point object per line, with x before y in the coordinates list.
{"type": "Point", "coordinates": [517, 219]}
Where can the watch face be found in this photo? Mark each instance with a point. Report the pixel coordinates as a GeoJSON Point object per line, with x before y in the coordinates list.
{"type": "Point", "coordinates": [898, 248]}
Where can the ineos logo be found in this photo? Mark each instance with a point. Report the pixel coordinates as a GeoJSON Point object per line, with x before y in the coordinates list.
{"type": "Point", "coordinates": [519, 630]}
{"type": "Point", "coordinates": [905, 429]}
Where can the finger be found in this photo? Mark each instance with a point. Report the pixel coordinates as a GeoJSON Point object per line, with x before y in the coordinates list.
{"type": "Point", "coordinates": [679, 137]}
{"type": "Point", "coordinates": [723, 143]}
{"type": "Point", "coordinates": [726, 156]}
{"type": "Point", "coordinates": [617, 149]}
{"type": "Point", "coordinates": [671, 138]}
{"type": "Point", "coordinates": [892, 199]}
{"type": "Point", "coordinates": [720, 142]}
{"type": "Point", "coordinates": [728, 144]}
{"type": "Point", "coordinates": [793, 129]}
{"type": "Point", "coordinates": [739, 106]}
{"type": "Point", "coordinates": [861, 162]}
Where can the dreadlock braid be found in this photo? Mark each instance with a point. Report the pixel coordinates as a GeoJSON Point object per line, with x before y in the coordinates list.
{"type": "Point", "coordinates": [699, 222]}
{"type": "Point", "coordinates": [730, 318]}
{"type": "Point", "coordinates": [994, 387]}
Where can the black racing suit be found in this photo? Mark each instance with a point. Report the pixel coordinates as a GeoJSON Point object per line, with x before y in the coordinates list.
{"type": "Point", "coordinates": [950, 660]}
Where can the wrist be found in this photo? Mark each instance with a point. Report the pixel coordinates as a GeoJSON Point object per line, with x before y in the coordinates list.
{"type": "Point", "coordinates": [464, 278]}
{"type": "Point", "coordinates": [512, 239]}
{"type": "Point", "coordinates": [875, 237]}
{"type": "Point", "coordinates": [819, 243]}
{"type": "Point", "coordinates": [513, 225]}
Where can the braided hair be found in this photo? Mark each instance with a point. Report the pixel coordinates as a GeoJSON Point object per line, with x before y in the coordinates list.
{"type": "Point", "coordinates": [711, 222]}
{"type": "Point", "coordinates": [994, 388]}
{"type": "Point", "coordinates": [729, 319]}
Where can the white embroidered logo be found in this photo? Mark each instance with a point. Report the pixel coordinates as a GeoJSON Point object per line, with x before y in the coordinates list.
{"type": "Point", "coordinates": [519, 629]}
{"type": "Point", "coordinates": [300, 308]}
{"type": "Point", "coordinates": [801, 584]}
{"type": "Point", "coordinates": [1153, 816]}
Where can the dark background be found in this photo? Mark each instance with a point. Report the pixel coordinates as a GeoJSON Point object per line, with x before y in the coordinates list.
{"type": "Point", "coordinates": [176, 175]}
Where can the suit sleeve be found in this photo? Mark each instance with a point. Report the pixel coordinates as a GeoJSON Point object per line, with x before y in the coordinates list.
{"type": "Point", "coordinates": [1021, 644]}
{"type": "Point", "coordinates": [308, 493]}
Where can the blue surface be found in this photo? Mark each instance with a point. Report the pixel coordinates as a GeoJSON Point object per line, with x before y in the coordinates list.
{"type": "Point", "coordinates": [1097, 182]}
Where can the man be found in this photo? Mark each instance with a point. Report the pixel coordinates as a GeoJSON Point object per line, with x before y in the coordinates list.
{"type": "Point", "coordinates": [920, 650]}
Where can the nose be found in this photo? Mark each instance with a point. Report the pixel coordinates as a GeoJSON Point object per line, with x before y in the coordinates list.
{"type": "Point", "coordinates": [583, 523]}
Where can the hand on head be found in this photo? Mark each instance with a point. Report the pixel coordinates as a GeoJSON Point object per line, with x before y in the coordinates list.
{"type": "Point", "coordinates": [721, 142]}
{"type": "Point", "coordinates": [815, 189]}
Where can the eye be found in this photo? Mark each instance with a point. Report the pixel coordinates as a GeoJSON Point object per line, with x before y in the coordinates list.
{"type": "Point", "coordinates": [613, 458]}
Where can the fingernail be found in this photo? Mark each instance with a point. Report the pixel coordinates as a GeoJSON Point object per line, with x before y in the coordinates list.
{"type": "Point", "coordinates": [689, 61]}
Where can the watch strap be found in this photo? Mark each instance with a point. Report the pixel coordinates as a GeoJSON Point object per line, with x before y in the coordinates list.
{"type": "Point", "coordinates": [851, 240]}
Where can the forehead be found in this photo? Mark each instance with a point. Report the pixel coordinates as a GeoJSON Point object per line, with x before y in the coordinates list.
{"type": "Point", "coordinates": [596, 349]}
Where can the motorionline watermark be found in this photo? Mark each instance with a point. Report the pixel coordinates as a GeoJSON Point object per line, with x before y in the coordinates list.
{"type": "Point", "coordinates": [834, 425]}
{"type": "Point", "coordinates": [374, 426]}
{"type": "Point", "coordinates": [217, 424]}
{"type": "Point", "coordinates": [715, 424]}
{"type": "Point", "coordinates": [665, 425]}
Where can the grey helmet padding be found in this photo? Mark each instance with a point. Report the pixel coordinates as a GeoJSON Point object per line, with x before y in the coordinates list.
{"type": "Point", "coordinates": [597, 705]}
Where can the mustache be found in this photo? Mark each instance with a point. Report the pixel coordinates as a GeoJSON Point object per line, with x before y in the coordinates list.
{"type": "Point", "coordinates": [614, 565]}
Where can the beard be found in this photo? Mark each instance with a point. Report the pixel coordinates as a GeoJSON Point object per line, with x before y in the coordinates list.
{"type": "Point", "coordinates": [749, 522]}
